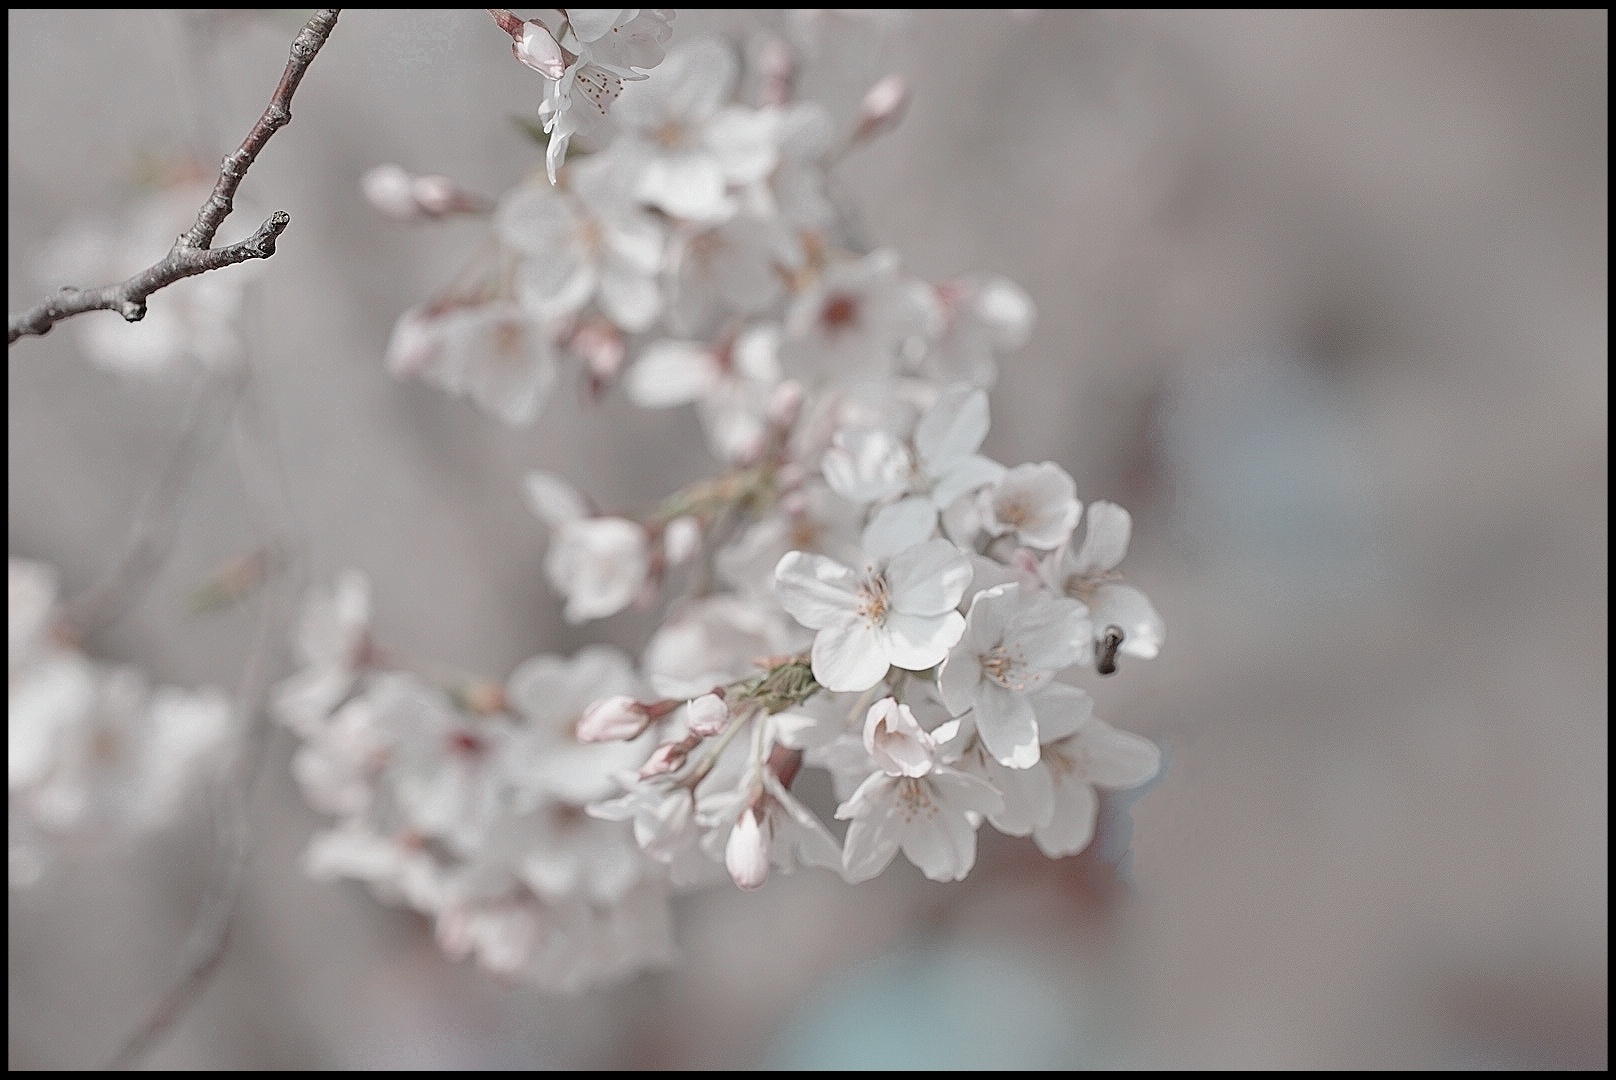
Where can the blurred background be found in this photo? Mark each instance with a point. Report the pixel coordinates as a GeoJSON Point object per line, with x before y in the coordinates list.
{"type": "Point", "coordinates": [1322, 298]}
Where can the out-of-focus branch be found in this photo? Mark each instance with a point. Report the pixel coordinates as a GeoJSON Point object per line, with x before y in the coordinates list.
{"type": "Point", "coordinates": [192, 252]}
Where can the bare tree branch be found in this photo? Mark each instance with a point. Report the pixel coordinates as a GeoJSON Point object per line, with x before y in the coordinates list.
{"type": "Point", "coordinates": [192, 252]}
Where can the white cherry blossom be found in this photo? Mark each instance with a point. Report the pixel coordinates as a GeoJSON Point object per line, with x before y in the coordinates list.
{"type": "Point", "coordinates": [585, 243]}
{"type": "Point", "coordinates": [929, 817]}
{"type": "Point", "coordinates": [1016, 639]}
{"type": "Point", "coordinates": [549, 696]}
{"type": "Point", "coordinates": [332, 645]}
{"type": "Point", "coordinates": [1037, 504]}
{"type": "Point", "coordinates": [599, 564]}
{"type": "Point", "coordinates": [686, 144]}
{"type": "Point", "coordinates": [1089, 573]}
{"type": "Point", "coordinates": [899, 612]}
{"type": "Point", "coordinates": [861, 315]}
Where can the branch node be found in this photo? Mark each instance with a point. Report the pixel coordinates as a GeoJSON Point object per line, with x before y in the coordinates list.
{"type": "Point", "coordinates": [132, 310]}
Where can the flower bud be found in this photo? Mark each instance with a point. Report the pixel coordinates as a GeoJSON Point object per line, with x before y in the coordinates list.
{"type": "Point", "coordinates": [681, 540]}
{"type": "Point", "coordinates": [539, 51]}
{"type": "Point", "coordinates": [900, 746]}
{"type": "Point", "coordinates": [664, 759]}
{"type": "Point", "coordinates": [708, 715]}
{"type": "Point", "coordinates": [883, 106]}
{"type": "Point", "coordinates": [613, 719]}
{"type": "Point", "coordinates": [785, 404]}
{"type": "Point", "coordinates": [389, 189]}
{"type": "Point", "coordinates": [437, 195]}
{"type": "Point", "coordinates": [746, 856]}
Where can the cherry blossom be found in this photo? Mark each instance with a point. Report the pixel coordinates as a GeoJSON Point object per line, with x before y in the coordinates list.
{"type": "Point", "coordinates": [1089, 573]}
{"type": "Point", "coordinates": [1015, 640]}
{"type": "Point", "coordinates": [900, 613]}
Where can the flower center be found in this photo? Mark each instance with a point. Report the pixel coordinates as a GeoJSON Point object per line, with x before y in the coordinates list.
{"type": "Point", "coordinates": [464, 743]}
{"type": "Point", "coordinates": [873, 599]}
{"type": "Point", "coordinates": [1004, 668]}
{"type": "Point", "coordinates": [671, 134]}
{"type": "Point", "coordinates": [1014, 512]}
{"type": "Point", "coordinates": [839, 313]}
{"type": "Point", "coordinates": [914, 799]}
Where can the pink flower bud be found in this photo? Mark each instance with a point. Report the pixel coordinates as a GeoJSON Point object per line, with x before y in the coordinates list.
{"type": "Point", "coordinates": [601, 346]}
{"type": "Point", "coordinates": [785, 404]}
{"type": "Point", "coordinates": [437, 195]}
{"type": "Point", "coordinates": [389, 189]}
{"type": "Point", "coordinates": [900, 746]}
{"type": "Point", "coordinates": [883, 106]}
{"type": "Point", "coordinates": [613, 719]}
{"type": "Point", "coordinates": [746, 856]}
{"type": "Point", "coordinates": [415, 343]}
{"type": "Point", "coordinates": [539, 51]}
{"type": "Point", "coordinates": [681, 540]}
{"type": "Point", "coordinates": [708, 715]}
{"type": "Point", "coordinates": [664, 759]}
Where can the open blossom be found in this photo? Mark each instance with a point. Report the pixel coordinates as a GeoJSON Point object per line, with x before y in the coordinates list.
{"type": "Point", "coordinates": [713, 642]}
{"type": "Point", "coordinates": [1015, 640]}
{"type": "Point", "coordinates": [928, 817]}
{"type": "Point", "coordinates": [1089, 573]}
{"type": "Point", "coordinates": [900, 613]}
{"type": "Point", "coordinates": [872, 465]}
{"type": "Point", "coordinates": [984, 317]}
{"type": "Point", "coordinates": [689, 147]}
{"type": "Point", "coordinates": [861, 316]}
{"type": "Point", "coordinates": [553, 698]}
{"type": "Point", "coordinates": [588, 242]}
{"type": "Point", "coordinates": [1036, 503]}
{"type": "Point", "coordinates": [731, 382]}
{"type": "Point", "coordinates": [599, 564]}
{"type": "Point", "coordinates": [332, 645]}
{"type": "Point", "coordinates": [597, 51]}
{"type": "Point", "coordinates": [494, 353]}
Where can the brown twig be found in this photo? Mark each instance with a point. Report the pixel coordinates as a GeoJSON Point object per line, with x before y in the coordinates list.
{"type": "Point", "coordinates": [192, 252]}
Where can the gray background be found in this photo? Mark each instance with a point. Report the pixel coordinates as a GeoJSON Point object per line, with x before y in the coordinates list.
{"type": "Point", "coordinates": [1322, 299]}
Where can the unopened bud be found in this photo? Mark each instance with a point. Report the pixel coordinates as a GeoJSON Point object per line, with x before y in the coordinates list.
{"type": "Point", "coordinates": [708, 715]}
{"type": "Point", "coordinates": [785, 404]}
{"type": "Point", "coordinates": [389, 189]}
{"type": "Point", "coordinates": [601, 346]}
{"type": "Point", "coordinates": [883, 106]}
{"type": "Point", "coordinates": [613, 719]}
{"type": "Point", "coordinates": [681, 540]}
{"type": "Point", "coordinates": [437, 195]}
{"type": "Point", "coordinates": [539, 51]}
{"type": "Point", "coordinates": [746, 856]}
{"type": "Point", "coordinates": [414, 344]}
{"type": "Point", "coordinates": [664, 759]}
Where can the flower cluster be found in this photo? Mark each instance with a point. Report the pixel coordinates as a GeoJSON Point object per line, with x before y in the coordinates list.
{"type": "Point", "coordinates": [859, 589]}
{"type": "Point", "coordinates": [94, 750]}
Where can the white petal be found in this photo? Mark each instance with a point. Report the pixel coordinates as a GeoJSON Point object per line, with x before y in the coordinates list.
{"type": "Point", "coordinates": [688, 185]}
{"type": "Point", "coordinates": [943, 847]}
{"type": "Point", "coordinates": [671, 373]}
{"type": "Point", "coordinates": [1125, 606]}
{"type": "Point", "coordinates": [592, 23]}
{"type": "Point", "coordinates": [917, 642]}
{"type": "Point", "coordinates": [816, 591]}
{"type": "Point", "coordinates": [967, 474]}
{"type": "Point", "coordinates": [555, 287]}
{"type": "Point", "coordinates": [1115, 759]}
{"type": "Point", "coordinates": [961, 674]}
{"type": "Point", "coordinates": [1061, 710]}
{"type": "Point", "coordinates": [870, 846]}
{"type": "Point", "coordinates": [1071, 825]}
{"type": "Point", "coordinates": [899, 526]}
{"type": "Point", "coordinates": [951, 430]}
{"type": "Point", "coordinates": [929, 578]}
{"type": "Point", "coordinates": [866, 466]}
{"type": "Point", "coordinates": [635, 240]}
{"type": "Point", "coordinates": [1007, 725]}
{"type": "Point", "coordinates": [1048, 631]}
{"type": "Point", "coordinates": [1106, 541]}
{"type": "Point", "coordinates": [1029, 799]}
{"type": "Point", "coordinates": [630, 299]}
{"type": "Point", "coordinates": [966, 792]}
{"type": "Point", "coordinates": [742, 141]}
{"type": "Point", "coordinates": [554, 500]}
{"type": "Point", "coordinates": [850, 657]}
